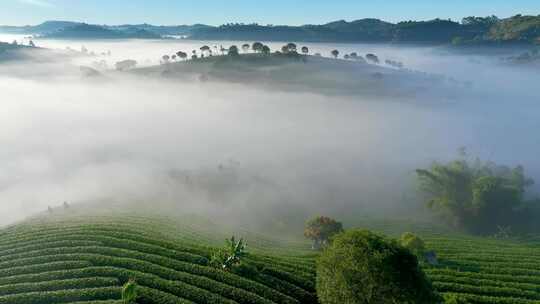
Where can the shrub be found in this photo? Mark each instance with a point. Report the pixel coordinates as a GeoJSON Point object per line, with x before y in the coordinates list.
{"type": "Point", "coordinates": [363, 267]}
{"type": "Point", "coordinates": [245, 270]}
{"type": "Point", "coordinates": [415, 244]}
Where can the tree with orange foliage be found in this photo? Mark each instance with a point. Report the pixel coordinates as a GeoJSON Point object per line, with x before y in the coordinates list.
{"type": "Point", "coordinates": [320, 229]}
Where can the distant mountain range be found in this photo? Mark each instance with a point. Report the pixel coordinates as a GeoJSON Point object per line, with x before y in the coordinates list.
{"type": "Point", "coordinates": [74, 30]}
{"type": "Point", "coordinates": [471, 31]}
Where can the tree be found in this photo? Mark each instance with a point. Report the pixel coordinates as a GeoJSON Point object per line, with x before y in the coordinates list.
{"type": "Point", "coordinates": [257, 47]}
{"type": "Point", "coordinates": [480, 22]}
{"type": "Point", "coordinates": [372, 58]}
{"type": "Point", "coordinates": [181, 55]}
{"type": "Point", "coordinates": [320, 229]}
{"type": "Point", "coordinates": [354, 55]}
{"type": "Point", "coordinates": [284, 49]}
{"type": "Point", "coordinates": [365, 268]}
{"type": "Point", "coordinates": [305, 50]}
{"type": "Point", "coordinates": [174, 57]}
{"type": "Point", "coordinates": [335, 53]}
{"type": "Point", "coordinates": [478, 197]}
{"type": "Point", "coordinates": [265, 50]}
{"type": "Point", "coordinates": [165, 58]}
{"type": "Point", "coordinates": [129, 292]}
{"type": "Point", "coordinates": [346, 56]}
{"type": "Point", "coordinates": [31, 43]}
{"type": "Point", "coordinates": [233, 50]}
{"type": "Point", "coordinates": [245, 47]}
{"type": "Point", "coordinates": [291, 47]}
{"type": "Point", "coordinates": [415, 244]}
{"type": "Point", "coordinates": [205, 49]}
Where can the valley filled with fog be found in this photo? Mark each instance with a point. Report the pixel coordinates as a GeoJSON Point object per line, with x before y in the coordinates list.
{"type": "Point", "coordinates": [231, 148]}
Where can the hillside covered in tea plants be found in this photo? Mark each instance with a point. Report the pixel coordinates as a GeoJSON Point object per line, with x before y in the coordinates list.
{"type": "Point", "coordinates": [63, 257]}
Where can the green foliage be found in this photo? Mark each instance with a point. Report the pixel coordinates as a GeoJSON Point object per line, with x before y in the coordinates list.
{"type": "Point", "coordinates": [62, 296]}
{"type": "Point", "coordinates": [363, 267]}
{"type": "Point", "coordinates": [265, 50]}
{"type": "Point", "coordinates": [245, 270]}
{"type": "Point", "coordinates": [478, 196]}
{"type": "Point", "coordinates": [437, 30]}
{"type": "Point", "coordinates": [454, 299]}
{"type": "Point", "coordinates": [233, 51]}
{"type": "Point", "coordinates": [257, 47]}
{"type": "Point", "coordinates": [472, 30]}
{"type": "Point", "coordinates": [291, 47]}
{"type": "Point", "coordinates": [129, 292]}
{"type": "Point", "coordinates": [44, 261]}
{"type": "Point", "coordinates": [230, 256]}
{"type": "Point", "coordinates": [415, 244]}
{"type": "Point", "coordinates": [320, 229]}
{"type": "Point", "coordinates": [519, 28]}
{"type": "Point", "coordinates": [218, 258]}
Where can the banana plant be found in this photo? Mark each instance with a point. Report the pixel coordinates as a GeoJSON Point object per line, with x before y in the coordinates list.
{"type": "Point", "coordinates": [236, 250]}
{"type": "Point", "coordinates": [229, 256]}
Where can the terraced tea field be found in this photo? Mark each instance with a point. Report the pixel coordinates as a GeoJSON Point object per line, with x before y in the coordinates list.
{"type": "Point", "coordinates": [76, 259]}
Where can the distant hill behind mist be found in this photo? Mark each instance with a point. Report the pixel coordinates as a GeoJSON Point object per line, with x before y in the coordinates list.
{"type": "Point", "coordinates": [470, 31]}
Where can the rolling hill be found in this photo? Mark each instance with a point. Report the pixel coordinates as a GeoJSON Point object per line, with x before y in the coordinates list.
{"type": "Point", "coordinates": [87, 31]}
{"type": "Point", "coordinates": [65, 257]}
{"type": "Point", "coordinates": [491, 31]}
{"type": "Point", "coordinates": [308, 74]}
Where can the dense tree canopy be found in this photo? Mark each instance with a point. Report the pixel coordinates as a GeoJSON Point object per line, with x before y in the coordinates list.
{"type": "Point", "coordinates": [480, 197]}
{"type": "Point", "coordinates": [366, 268]}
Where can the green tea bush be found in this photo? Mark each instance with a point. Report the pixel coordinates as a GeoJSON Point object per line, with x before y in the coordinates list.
{"type": "Point", "coordinates": [363, 267]}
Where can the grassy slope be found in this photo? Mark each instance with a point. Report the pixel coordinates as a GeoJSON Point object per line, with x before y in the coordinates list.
{"type": "Point", "coordinates": [59, 259]}
{"type": "Point", "coordinates": [304, 73]}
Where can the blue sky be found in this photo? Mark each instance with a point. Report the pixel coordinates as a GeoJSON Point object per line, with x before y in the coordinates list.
{"type": "Point", "coordinates": [18, 12]}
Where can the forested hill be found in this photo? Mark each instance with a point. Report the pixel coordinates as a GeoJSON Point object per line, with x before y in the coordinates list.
{"type": "Point", "coordinates": [491, 30]}
{"type": "Point", "coordinates": [472, 30]}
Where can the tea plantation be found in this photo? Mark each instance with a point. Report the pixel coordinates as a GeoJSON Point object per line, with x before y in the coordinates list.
{"type": "Point", "coordinates": [87, 259]}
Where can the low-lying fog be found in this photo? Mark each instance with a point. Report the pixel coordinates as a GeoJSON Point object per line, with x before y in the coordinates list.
{"type": "Point", "coordinates": [231, 149]}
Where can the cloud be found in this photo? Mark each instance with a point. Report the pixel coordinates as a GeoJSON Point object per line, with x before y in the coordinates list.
{"type": "Point", "coordinates": [40, 3]}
